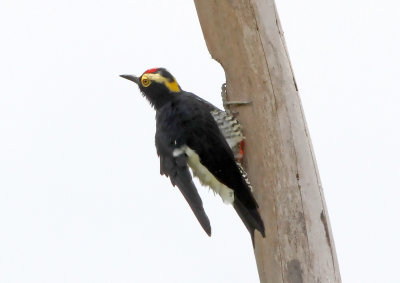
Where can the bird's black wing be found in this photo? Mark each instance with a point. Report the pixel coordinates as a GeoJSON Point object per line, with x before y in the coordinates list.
{"type": "Point", "coordinates": [177, 170]}
{"type": "Point", "coordinates": [208, 142]}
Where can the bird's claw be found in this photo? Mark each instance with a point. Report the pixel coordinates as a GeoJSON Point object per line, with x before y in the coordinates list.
{"type": "Point", "coordinates": [227, 104]}
{"type": "Point", "coordinates": [238, 103]}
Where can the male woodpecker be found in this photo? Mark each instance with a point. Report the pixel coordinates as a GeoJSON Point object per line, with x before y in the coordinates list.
{"type": "Point", "coordinates": [191, 132]}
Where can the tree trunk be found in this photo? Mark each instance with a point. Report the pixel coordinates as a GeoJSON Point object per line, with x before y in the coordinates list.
{"type": "Point", "coordinates": [245, 36]}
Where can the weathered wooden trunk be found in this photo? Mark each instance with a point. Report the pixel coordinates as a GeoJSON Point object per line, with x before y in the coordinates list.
{"type": "Point", "coordinates": [245, 36]}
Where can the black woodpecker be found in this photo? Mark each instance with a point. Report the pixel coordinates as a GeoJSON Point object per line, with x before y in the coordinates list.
{"type": "Point", "coordinates": [191, 132]}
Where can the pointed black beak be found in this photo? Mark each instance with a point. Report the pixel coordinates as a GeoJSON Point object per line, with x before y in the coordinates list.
{"type": "Point", "coordinates": [131, 78]}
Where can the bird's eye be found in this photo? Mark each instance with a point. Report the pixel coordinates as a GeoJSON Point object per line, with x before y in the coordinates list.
{"type": "Point", "coordinates": [145, 81]}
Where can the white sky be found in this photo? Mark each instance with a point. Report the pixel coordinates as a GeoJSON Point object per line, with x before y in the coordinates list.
{"type": "Point", "coordinates": [81, 198]}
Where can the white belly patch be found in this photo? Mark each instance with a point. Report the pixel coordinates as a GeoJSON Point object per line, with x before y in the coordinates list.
{"type": "Point", "coordinates": [206, 177]}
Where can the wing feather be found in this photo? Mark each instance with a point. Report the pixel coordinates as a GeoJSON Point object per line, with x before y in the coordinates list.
{"type": "Point", "coordinates": [177, 170]}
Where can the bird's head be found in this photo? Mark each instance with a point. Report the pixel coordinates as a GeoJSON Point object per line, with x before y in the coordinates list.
{"type": "Point", "coordinates": [157, 85]}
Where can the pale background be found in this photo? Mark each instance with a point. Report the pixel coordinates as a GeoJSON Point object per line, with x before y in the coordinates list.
{"type": "Point", "coordinates": [81, 198]}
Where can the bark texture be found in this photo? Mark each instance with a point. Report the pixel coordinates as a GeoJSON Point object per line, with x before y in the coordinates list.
{"type": "Point", "coordinates": [245, 36]}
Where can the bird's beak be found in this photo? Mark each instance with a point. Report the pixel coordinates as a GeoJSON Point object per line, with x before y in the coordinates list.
{"type": "Point", "coordinates": [131, 78]}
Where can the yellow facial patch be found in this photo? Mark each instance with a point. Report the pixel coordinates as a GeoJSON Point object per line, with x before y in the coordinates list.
{"type": "Point", "coordinates": [172, 86]}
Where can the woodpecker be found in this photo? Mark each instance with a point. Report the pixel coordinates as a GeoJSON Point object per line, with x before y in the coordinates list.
{"type": "Point", "coordinates": [193, 133]}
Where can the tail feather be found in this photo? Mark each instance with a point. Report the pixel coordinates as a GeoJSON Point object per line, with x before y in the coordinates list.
{"type": "Point", "coordinates": [251, 219]}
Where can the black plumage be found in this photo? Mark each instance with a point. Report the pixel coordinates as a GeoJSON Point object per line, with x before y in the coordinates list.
{"type": "Point", "coordinates": [184, 122]}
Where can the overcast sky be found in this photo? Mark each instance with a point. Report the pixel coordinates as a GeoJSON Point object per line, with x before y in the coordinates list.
{"type": "Point", "coordinates": [81, 198]}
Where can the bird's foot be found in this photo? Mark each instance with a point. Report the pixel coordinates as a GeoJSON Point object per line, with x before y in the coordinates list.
{"type": "Point", "coordinates": [228, 104]}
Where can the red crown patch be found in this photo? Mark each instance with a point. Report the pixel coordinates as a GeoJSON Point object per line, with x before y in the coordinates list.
{"type": "Point", "coordinates": [149, 71]}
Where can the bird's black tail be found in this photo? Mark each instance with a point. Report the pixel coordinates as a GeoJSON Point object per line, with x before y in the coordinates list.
{"type": "Point", "coordinates": [250, 217]}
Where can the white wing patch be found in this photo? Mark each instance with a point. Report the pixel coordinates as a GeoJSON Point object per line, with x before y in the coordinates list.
{"type": "Point", "coordinates": [206, 177]}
